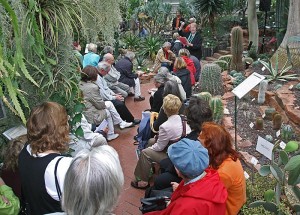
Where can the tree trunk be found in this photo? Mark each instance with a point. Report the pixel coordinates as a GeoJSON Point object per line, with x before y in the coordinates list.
{"type": "Point", "coordinates": [252, 23]}
{"type": "Point", "coordinates": [293, 29]}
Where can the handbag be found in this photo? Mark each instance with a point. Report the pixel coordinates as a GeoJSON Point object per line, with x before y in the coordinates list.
{"type": "Point", "coordinates": [154, 204]}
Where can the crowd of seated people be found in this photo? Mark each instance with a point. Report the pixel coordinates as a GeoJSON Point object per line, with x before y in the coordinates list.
{"type": "Point", "coordinates": [195, 156]}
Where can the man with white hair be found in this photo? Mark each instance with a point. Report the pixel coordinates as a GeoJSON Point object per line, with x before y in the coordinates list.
{"type": "Point", "coordinates": [125, 67]}
{"type": "Point", "coordinates": [164, 57]}
{"type": "Point", "coordinates": [113, 76]}
{"type": "Point", "coordinates": [108, 95]}
{"type": "Point", "coordinates": [91, 58]}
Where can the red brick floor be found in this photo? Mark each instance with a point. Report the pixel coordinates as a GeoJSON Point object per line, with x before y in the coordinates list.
{"type": "Point", "coordinates": [129, 201]}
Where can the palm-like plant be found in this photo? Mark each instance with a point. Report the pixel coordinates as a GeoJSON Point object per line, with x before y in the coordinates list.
{"type": "Point", "coordinates": [276, 73]}
{"type": "Point", "coordinates": [209, 9]}
{"type": "Point", "coordinates": [150, 45]}
{"type": "Point", "coordinates": [131, 41]}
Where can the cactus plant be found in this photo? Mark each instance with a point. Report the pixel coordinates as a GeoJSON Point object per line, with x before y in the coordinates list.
{"type": "Point", "coordinates": [259, 123]}
{"type": "Point", "coordinates": [263, 86]}
{"type": "Point", "coordinates": [211, 80]}
{"type": "Point", "coordinates": [281, 166]}
{"type": "Point", "coordinates": [217, 109]}
{"type": "Point", "coordinates": [237, 49]}
{"type": "Point", "coordinates": [269, 138]}
{"type": "Point", "coordinates": [286, 132]}
{"type": "Point", "coordinates": [277, 121]}
{"type": "Point", "coordinates": [205, 96]}
{"type": "Point", "coordinates": [297, 86]}
{"type": "Point", "coordinates": [269, 113]}
{"type": "Point", "coordinates": [233, 72]}
{"type": "Point", "coordinates": [278, 86]}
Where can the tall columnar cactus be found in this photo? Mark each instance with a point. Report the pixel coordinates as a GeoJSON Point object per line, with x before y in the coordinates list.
{"type": "Point", "coordinates": [237, 49]}
{"type": "Point", "coordinates": [217, 109]}
{"type": "Point", "coordinates": [211, 80]}
{"type": "Point", "coordinates": [263, 86]}
{"type": "Point", "coordinates": [205, 96]}
{"type": "Point", "coordinates": [277, 121]}
{"type": "Point", "coordinates": [286, 132]}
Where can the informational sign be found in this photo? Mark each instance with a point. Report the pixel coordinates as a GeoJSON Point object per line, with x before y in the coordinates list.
{"type": "Point", "coordinates": [248, 84]}
{"type": "Point", "coordinates": [282, 144]}
{"type": "Point", "coordinates": [15, 132]}
{"type": "Point", "coordinates": [254, 161]}
{"type": "Point", "coordinates": [264, 147]}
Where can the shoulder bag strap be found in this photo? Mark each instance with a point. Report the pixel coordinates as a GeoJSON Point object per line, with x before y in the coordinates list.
{"type": "Point", "coordinates": [56, 181]}
{"type": "Point", "coordinates": [183, 121]}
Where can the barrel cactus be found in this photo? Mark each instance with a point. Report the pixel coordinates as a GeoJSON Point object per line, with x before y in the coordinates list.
{"type": "Point", "coordinates": [205, 96]}
{"type": "Point", "coordinates": [259, 123]}
{"type": "Point", "coordinates": [211, 80]}
{"type": "Point", "coordinates": [237, 49]}
{"type": "Point", "coordinates": [297, 86]}
{"type": "Point", "coordinates": [269, 138]}
{"type": "Point", "coordinates": [217, 109]}
{"type": "Point", "coordinates": [277, 121]}
{"type": "Point", "coordinates": [286, 132]}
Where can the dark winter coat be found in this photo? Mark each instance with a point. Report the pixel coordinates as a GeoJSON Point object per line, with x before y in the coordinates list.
{"type": "Point", "coordinates": [157, 100]}
{"type": "Point", "coordinates": [184, 75]}
{"type": "Point", "coordinates": [196, 49]}
{"type": "Point", "coordinates": [125, 67]}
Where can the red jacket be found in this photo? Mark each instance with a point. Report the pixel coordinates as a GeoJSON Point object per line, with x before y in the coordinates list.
{"type": "Point", "coordinates": [191, 67]}
{"type": "Point", "coordinates": [206, 196]}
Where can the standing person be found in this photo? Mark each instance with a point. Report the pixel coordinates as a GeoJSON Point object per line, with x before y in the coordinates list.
{"type": "Point", "coordinates": [125, 67]}
{"type": "Point", "coordinates": [164, 57]}
{"type": "Point", "coordinates": [201, 190]}
{"type": "Point", "coordinates": [177, 21]}
{"type": "Point", "coordinates": [224, 159]}
{"type": "Point", "coordinates": [184, 74]}
{"type": "Point", "coordinates": [188, 27]}
{"type": "Point", "coordinates": [194, 40]}
{"type": "Point", "coordinates": [41, 165]}
{"type": "Point", "coordinates": [113, 76]}
{"type": "Point", "coordinates": [108, 95]}
{"type": "Point", "coordinates": [91, 58]}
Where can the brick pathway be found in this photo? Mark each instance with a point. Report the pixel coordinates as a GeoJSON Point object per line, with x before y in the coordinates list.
{"type": "Point", "coordinates": [129, 201]}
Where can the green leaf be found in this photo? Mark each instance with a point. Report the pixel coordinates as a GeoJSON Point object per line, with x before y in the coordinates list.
{"type": "Point", "coordinates": [269, 195]}
{"type": "Point", "coordinates": [79, 107]}
{"type": "Point", "coordinates": [294, 176]}
{"type": "Point", "coordinates": [284, 157]}
{"type": "Point", "coordinates": [293, 163]}
{"type": "Point", "coordinates": [256, 204]}
{"type": "Point", "coordinates": [291, 146]}
{"type": "Point", "coordinates": [270, 206]}
{"type": "Point", "coordinates": [79, 132]}
{"type": "Point", "coordinates": [77, 118]}
{"type": "Point", "coordinates": [296, 207]}
{"type": "Point", "coordinates": [264, 170]}
{"type": "Point", "coordinates": [277, 173]}
{"type": "Point", "coordinates": [296, 191]}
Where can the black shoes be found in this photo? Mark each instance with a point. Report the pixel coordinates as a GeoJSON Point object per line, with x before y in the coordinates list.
{"type": "Point", "coordinates": [136, 121]}
{"type": "Point", "coordinates": [130, 94]}
{"type": "Point", "coordinates": [138, 99]}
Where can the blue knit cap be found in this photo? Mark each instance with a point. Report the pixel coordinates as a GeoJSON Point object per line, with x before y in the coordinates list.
{"type": "Point", "coordinates": [189, 157]}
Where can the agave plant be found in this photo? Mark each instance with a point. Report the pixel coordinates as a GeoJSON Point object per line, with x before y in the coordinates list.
{"type": "Point", "coordinates": [131, 42]}
{"type": "Point", "coordinates": [150, 45]}
{"type": "Point", "coordinates": [277, 74]}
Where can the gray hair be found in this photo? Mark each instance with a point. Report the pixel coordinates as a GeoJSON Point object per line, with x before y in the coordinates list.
{"type": "Point", "coordinates": [107, 56]}
{"type": "Point", "coordinates": [192, 20]}
{"type": "Point", "coordinates": [161, 77]}
{"type": "Point", "coordinates": [108, 49]}
{"type": "Point", "coordinates": [130, 55]}
{"type": "Point", "coordinates": [93, 182]}
{"type": "Point", "coordinates": [166, 44]}
{"type": "Point", "coordinates": [163, 69]}
{"type": "Point", "coordinates": [92, 47]}
{"type": "Point", "coordinates": [104, 65]}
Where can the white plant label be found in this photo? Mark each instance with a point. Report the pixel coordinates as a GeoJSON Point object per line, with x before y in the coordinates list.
{"type": "Point", "coordinates": [282, 144]}
{"type": "Point", "coordinates": [254, 161]}
{"type": "Point", "coordinates": [246, 175]}
{"type": "Point", "coordinates": [226, 111]}
{"type": "Point", "coordinates": [291, 87]}
{"type": "Point", "coordinates": [251, 125]}
{"type": "Point", "coordinates": [253, 99]}
{"type": "Point", "coordinates": [263, 116]}
{"type": "Point", "coordinates": [263, 69]}
{"type": "Point", "coordinates": [278, 133]}
{"type": "Point", "coordinates": [264, 147]}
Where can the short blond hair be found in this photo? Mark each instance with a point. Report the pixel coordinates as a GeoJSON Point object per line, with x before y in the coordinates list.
{"type": "Point", "coordinates": [184, 52]}
{"type": "Point", "coordinates": [179, 63]}
{"type": "Point", "coordinates": [175, 35]}
{"type": "Point", "coordinates": [171, 105]}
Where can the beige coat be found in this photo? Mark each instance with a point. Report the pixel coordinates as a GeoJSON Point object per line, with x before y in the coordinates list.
{"type": "Point", "coordinates": [160, 58]}
{"type": "Point", "coordinates": [94, 105]}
